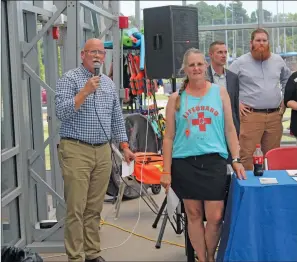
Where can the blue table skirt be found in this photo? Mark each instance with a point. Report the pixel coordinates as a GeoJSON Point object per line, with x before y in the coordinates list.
{"type": "Point", "coordinates": [260, 222]}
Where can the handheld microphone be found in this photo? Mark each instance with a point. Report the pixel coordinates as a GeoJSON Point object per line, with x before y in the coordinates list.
{"type": "Point", "coordinates": [97, 66]}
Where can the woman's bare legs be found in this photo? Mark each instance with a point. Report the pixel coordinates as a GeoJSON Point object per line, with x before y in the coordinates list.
{"type": "Point", "coordinates": [214, 216]}
{"type": "Point", "coordinates": [195, 213]}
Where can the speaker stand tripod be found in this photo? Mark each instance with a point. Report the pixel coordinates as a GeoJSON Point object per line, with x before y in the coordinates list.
{"type": "Point", "coordinates": [178, 228]}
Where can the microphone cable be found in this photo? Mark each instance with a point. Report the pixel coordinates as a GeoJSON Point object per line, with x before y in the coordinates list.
{"type": "Point", "coordinates": [97, 66]}
{"type": "Point", "coordinates": [118, 171]}
{"type": "Point", "coordinates": [115, 161]}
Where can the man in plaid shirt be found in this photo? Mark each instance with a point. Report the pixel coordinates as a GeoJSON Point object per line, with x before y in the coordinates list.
{"type": "Point", "coordinates": [90, 114]}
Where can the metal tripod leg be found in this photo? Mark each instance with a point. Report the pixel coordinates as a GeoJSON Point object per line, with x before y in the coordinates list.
{"type": "Point", "coordinates": [162, 230]}
{"type": "Point", "coordinates": [153, 202]}
{"type": "Point", "coordinates": [122, 187]}
{"type": "Point", "coordinates": [179, 229]}
{"type": "Point", "coordinates": [160, 213]}
{"type": "Point", "coordinates": [120, 197]}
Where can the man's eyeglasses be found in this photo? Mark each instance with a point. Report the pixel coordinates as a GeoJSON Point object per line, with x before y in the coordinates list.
{"type": "Point", "coordinates": [95, 52]}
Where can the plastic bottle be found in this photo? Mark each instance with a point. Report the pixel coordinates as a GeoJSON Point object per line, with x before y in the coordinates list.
{"type": "Point", "coordinates": [258, 159]}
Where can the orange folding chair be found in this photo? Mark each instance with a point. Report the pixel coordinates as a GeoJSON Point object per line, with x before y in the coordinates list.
{"type": "Point", "coordinates": [282, 158]}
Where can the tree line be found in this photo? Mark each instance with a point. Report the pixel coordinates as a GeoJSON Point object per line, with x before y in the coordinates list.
{"type": "Point", "coordinates": [238, 41]}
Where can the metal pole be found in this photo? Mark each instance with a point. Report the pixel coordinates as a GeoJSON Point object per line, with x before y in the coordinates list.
{"type": "Point", "coordinates": [293, 38]}
{"type": "Point", "coordinates": [284, 19]}
{"type": "Point", "coordinates": [242, 31]}
{"type": "Point", "coordinates": [277, 20]}
{"type": "Point", "coordinates": [260, 14]}
{"type": "Point", "coordinates": [137, 14]}
{"type": "Point", "coordinates": [233, 43]}
{"type": "Point", "coordinates": [115, 5]}
{"type": "Point", "coordinates": [226, 32]}
{"type": "Point", "coordinates": [273, 48]}
{"type": "Point", "coordinates": [212, 31]}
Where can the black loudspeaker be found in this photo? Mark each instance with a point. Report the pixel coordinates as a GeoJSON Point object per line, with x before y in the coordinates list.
{"type": "Point", "coordinates": [168, 32]}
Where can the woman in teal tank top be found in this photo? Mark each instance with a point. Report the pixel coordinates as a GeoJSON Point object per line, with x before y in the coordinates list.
{"type": "Point", "coordinates": [199, 130]}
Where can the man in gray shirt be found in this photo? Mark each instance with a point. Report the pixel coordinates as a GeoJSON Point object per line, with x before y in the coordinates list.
{"type": "Point", "coordinates": [260, 97]}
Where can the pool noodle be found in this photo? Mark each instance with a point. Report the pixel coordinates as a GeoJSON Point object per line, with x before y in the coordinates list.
{"type": "Point", "coordinates": [127, 41]}
{"type": "Point", "coordinates": [137, 35]}
{"type": "Point", "coordinates": [137, 44]}
{"type": "Point", "coordinates": [108, 44]}
{"type": "Point", "coordinates": [142, 52]}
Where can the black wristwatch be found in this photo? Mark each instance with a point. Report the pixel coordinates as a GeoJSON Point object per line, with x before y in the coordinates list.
{"type": "Point", "coordinates": [236, 160]}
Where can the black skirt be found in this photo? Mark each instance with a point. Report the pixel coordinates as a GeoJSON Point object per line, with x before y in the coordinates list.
{"type": "Point", "coordinates": [199, 178]}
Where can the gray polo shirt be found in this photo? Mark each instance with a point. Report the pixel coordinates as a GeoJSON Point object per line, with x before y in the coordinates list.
{"type": "Point", "coordinates": [259, 81]}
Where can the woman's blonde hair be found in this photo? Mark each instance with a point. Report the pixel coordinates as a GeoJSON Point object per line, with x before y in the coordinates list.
{"type": "Point", "coordinates": [186, 79]}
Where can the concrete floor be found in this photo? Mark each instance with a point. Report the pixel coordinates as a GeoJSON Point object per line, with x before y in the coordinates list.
{"type": "Point", "coordinates": [136, 248]}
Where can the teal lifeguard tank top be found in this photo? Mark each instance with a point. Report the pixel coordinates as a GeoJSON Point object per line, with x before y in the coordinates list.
{"type": "Point", "coordinates": [205, 121]}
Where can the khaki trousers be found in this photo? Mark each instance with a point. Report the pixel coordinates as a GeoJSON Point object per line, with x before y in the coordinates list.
{"type": "Point", "coordinates": [86, 171]}
{"type": "Point", "coordinates": [259, 128]}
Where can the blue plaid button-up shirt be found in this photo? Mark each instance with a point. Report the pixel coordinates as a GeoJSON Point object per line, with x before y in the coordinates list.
{"type": "Point", "coordinates": [83, 124]}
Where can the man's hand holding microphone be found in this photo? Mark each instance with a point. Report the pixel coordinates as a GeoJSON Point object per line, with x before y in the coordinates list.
{"type": "Point", "coordinates": [90, 87]}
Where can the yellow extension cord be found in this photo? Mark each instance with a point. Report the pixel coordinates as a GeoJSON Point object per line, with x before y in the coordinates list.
{"type": "Point", "coordinates": [102, 222]}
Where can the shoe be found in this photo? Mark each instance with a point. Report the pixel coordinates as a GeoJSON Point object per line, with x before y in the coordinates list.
{"type": "Point", "coordinates": [98, 259]}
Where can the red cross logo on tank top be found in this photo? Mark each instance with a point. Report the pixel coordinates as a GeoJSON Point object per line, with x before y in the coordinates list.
{"type": "Point", "coordinates": [201, 121]}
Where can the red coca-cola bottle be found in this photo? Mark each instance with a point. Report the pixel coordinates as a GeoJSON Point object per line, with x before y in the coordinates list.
{"type": "Point", "coordinates": [258, 159]}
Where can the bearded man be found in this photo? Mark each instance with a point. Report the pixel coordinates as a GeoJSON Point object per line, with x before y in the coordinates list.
{"type": "Point", "coordinates": [260, 74]}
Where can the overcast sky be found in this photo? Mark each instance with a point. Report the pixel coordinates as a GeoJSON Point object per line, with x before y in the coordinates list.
{"type": "Point", "coordinates": [128, 7]}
